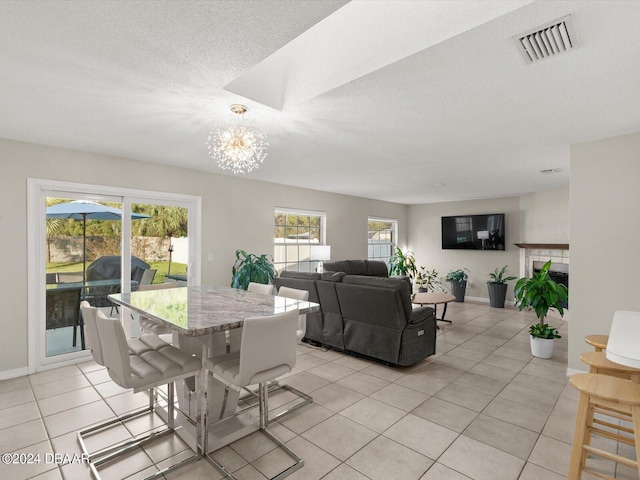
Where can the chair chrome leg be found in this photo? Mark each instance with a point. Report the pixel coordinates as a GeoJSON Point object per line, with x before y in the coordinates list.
{"type": "Point", "coordinates": [274, 387]}
{"type": "Point", "coordinates": [221, 468]}
{"type": "Point", "coordinates": [205, 413]}
{"type": "Point", "coordinates": [306, 399]}
{"type": "Point", "coordinates": [102, 425]}
{"type": "Point", "coordinates": [264, 405]}
{"type": "Point", "coordinates": [263, 395]}
{"type": "Point", "coordinates": [109, 454]}
{"type": "Point", "coordinates": [170, 404]}
{"type": "Point", "coordinates": [296, 466]}
{"type": "Point", "coordinates": [160, 474]}
{"type": "Point", "coordinates": [299, 462]}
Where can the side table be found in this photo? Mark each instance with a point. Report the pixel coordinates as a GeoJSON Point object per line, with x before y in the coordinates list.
{"type": "Point", "coordinates": [435, 299]}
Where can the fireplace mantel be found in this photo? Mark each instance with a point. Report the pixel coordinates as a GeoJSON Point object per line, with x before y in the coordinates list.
{"type": "Point", "coordinates": [550, 246]}
{"type": "Point", "coordinates": [541, 252]}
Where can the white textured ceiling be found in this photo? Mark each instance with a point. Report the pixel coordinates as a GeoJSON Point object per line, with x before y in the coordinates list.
{"type": "Point", "coordinates": [359, 39]}
{"type": "Point", "coordinates": [398, 114]}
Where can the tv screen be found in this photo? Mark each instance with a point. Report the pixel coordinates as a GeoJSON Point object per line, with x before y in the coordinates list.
{"type": "Point", "coordinates": [474, 232]}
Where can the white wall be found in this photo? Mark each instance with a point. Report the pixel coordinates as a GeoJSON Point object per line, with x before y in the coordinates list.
{"type": "Point", "coordinates": [424, 226]}
{"type": "Point", "coordinates": [236, 213]}
{"type": "Point", "coordinates": [605, 264]}
{"type": "Point", "coordinates": [544, 216]}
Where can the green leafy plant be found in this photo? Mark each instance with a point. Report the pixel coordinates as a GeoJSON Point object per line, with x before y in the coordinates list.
{"type": "Point", "coordinates": [402, 263]}
{"type": "Point", "coordinates": [459, 275]}
{"type": "Point", "coordinates": [429, 280]}
{"type": "Point", "coordinates": [498, 276]}
{"type": "Point", "coordinates": [543, 331]}
{"type": "Point", "coordinates": [251, 268]}
{"type": "Point", "coordinates": [541, 294]}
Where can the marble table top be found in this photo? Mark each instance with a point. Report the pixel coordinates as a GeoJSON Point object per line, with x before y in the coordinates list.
{"type": "Point", "coordinates": [203, 310]}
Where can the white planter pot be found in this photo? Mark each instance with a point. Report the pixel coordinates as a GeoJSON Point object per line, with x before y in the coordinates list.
{"type": "Point", "coordinates": [541, 347]}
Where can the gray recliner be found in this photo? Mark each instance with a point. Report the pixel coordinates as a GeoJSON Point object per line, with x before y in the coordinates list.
{"type": "Point", "coordinates": [379, 321]}
{"type": "Point", "coordinates": [371, 268]}
{"type": "Point", "coordinates": [366, 315]}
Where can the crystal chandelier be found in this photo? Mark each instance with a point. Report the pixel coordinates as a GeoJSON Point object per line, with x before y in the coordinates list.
{"type": "Point", "coordinates": [237, 147]}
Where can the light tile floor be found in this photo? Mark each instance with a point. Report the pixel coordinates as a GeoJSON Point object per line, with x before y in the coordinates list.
{"type": "Point", "coordinates": [482, 408]}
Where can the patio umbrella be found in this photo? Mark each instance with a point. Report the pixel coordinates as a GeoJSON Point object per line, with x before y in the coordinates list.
{"type": "Point", "coordinates": [86, 210]}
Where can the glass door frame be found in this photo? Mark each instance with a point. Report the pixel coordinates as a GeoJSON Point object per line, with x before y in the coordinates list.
{"type": "Point", "coordinates": [37, 191]}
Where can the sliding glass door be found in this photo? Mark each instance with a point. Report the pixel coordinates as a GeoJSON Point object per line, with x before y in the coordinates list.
{"type": "Point", "coordinates": [83, 241]}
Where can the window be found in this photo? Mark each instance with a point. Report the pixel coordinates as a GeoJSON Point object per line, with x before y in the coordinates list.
{"type": "Point", "coordinates": [382, 238]}
{"type": "Point", "coordinates": [295, 232]}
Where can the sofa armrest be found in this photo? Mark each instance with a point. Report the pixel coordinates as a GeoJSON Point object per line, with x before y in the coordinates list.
{"type": "Point", "coordinates": [421, 314]}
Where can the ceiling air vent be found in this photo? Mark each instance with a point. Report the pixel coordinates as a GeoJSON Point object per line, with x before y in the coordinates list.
{"type": "Point", "coordinates": [550, 171]}
{"type": "Point", "coordinates": [547, 41]}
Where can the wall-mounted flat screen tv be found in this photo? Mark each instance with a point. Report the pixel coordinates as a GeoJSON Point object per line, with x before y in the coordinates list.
{"type": "Point", "coordinates": [474, 232]}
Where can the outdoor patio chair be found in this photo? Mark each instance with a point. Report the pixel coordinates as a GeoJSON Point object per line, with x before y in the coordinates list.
{"type": "Point", "coordinates": [147, 277]}
{"type": "Point", "coordinates": [63, 310]}
{"type": "Point", "coordinates": [69, 277]}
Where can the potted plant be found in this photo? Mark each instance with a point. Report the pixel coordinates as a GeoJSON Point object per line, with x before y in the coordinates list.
{"type": "Point", "coordinates": [402, 263]}
{"type": "Point", "coordinates": [428, 280]}
{"type": "Point", "coordinates": [251, 268]}
{"type": "Point", "coordinates": [421, 282]}
{"type": "Point", "coordinates": [541, 294]}
{"type": "Point", "coordinates": [498, 287]}
{"type": "Point", "coordinates": [458, 281]}
{"type": "Point", "coordinates": [542, 340]}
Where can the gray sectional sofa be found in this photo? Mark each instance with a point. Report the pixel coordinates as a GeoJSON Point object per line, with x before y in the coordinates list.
{"type": "Point", "coordinates": [365, 313]}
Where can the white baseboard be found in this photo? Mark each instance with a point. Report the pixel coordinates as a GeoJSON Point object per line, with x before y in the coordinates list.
{"type": "Point", "coordinates": [16, 372]}
{"type": "Point", "coordinates": [573, 371]}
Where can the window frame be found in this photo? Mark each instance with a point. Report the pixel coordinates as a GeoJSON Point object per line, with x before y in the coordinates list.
{"type": "Point", "coordinates": [37, 191]}
{"type": "Point", "coordinates": [287, 265]}
{"type": "Point", "coordinates": [393, 244]}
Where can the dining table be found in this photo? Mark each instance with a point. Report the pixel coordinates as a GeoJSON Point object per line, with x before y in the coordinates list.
{"type": "Point", "coordinates": [207, 321]}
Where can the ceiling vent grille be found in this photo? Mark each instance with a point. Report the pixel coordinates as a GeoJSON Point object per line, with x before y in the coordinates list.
{"type": "Point", "coordinates": [547, 41]}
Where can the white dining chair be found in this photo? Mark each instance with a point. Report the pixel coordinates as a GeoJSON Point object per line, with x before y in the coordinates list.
{"type": "Point", "coordinates": [260, 288]}
{"type": "Point", "coordinates": [140, 371]}
{"type": "Point", "coordinates": [135, 346]}
{"type": "Point", "coordinates": [297, 294]}
{"type": "Point", "coordinates": [267, 351]}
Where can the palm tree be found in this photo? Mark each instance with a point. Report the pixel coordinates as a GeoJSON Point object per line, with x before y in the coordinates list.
{"type": "Point", "coordinates": [164, 221]}
{"type": "Point", "coordinates": [55, 226]}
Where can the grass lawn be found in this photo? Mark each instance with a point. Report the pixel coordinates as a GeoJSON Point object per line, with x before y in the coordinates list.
{"type": "Point", "coordinates": [161, 267]}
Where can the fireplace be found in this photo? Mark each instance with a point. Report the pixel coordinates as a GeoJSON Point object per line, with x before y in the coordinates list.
{"type": "Point", "coordinates": [558, 272]}
{"type": "Point", "coordinates": [534, 255]}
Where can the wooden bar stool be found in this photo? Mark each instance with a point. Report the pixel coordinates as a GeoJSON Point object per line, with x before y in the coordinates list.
{"type": "Point", "coordinates": [599, 342]}
{"type": "Point", "coordinates": [611, 393]}
{"type": "Point", "coordinates": [598, 363]}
